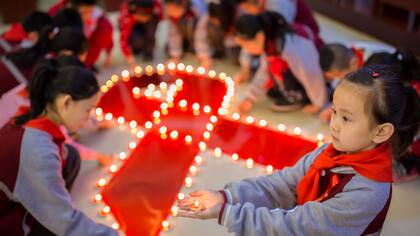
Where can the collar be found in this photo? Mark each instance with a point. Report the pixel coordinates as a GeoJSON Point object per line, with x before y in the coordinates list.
{"type": "Point", "coordinates": [46, 125]}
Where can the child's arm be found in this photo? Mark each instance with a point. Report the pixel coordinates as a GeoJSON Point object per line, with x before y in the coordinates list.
{"type": "Point", "coordinates": [40, 188]}
{"type": "Point", "coordinates": [348, 213]}
{"type": "Point", "coordinates": [174, 41]}
{"type": "Point", "coordinates": [276, 190]}
{"type": "Point", "coordinates": [201, 45]}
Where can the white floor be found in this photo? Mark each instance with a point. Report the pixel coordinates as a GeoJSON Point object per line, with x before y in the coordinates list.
{"type": "Point", "coordinates": [403, 217]}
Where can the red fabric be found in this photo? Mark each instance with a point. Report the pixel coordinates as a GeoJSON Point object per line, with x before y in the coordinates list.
{"type": "Point", "coordinates": [360, 57]}
{"type": "Point", "coordinates": [126, 23]}
{"type": "Point", "coordinates": [375, 164]}
{"type": "Point", "coordinates": [50, 127]}
{"type": "Point", "coordinates": [57, 7]}
{"type": "Point", "coordinates": [101, 39]}
{"type": "Point", "coordinates": [15, 33]}
{"type": "Point", "coordinates": [305, 17]}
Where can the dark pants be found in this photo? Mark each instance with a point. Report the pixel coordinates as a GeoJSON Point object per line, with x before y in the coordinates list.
{"type": "Point", "coordinates": [142, 39]}
{"type": "Point", "coordinates": [70, 172]}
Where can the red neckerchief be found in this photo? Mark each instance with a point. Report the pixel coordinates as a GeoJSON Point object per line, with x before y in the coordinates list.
{"type": "Point", "coordinates": [359, 55]}
{"type": "Point", "coordinates": [46, 125]}
{"type": "Point", "coordinates": [375, 164]}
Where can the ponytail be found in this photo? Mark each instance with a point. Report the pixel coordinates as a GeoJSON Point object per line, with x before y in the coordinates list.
{"type": "Point", "coordinates": [48, 83]}
{"type": "Point", "coordinates": [27, 57]}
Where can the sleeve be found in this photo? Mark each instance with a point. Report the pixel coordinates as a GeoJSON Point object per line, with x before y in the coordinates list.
{"type": "Point", "coordinates": [272, 191]}
{"type": "Point", "coordinates": [126, 27]}
{"type": "Point", "coordinates": [175, 41]}
{"type": "Point", "coordinates": [102, 39]}
{"type": "Point", "coordinates": [303, 61]}
{"type": "Point", "coordinates": [40, 188]}
{"type": "Point", "coordinates": [340, 215]}
{"type": "Point", "coordinates": [202, 48]}
{"type": "Point", "coordinates": [257, 88]}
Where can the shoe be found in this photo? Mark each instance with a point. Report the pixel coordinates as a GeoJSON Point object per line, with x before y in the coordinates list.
{"type": "Point", "coordinates": [281, 104]}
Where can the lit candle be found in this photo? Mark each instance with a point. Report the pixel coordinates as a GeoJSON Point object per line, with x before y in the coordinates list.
{"type": "Point", "coordinates": [157, 94]}
{"type": "Point", "coordinates": [206, 135]}
{"type": "Point", "coordinates": [105, 211]}
{"type": "Point", "coordinates": [125, 73]}
{"type": "Point", "coordinates": [136, 91]}
{"type": "Point", "coordinates": [249, 163]}
{"type": "Point", "coordinates": [181, 196]}
{"type": "Point", "coordinates": [188, 182]}
{"type": "Point", "coordinates": [149, 70]}
{"type": "Point", "coordinates": [181, 67]}
{"type": "Point", "coordinates": [235, 157]}
{"type": "Point", "coordinates": [132, 145]}
{"type": "Point", "coordinates": [174, 210]}
{"type": "Point", "coordinates": [98, 111]}
{"type": "Point", "coordinates": [160, 68]}
{"type": "Point", "coordinates": [156, 114]}
{"type": "Point", "coordinates": [140, 134]}
{"type": "Point", "coordinates": [183, 103]}
{"type": "Point", "coordinates": [148, 125]}
{"type": "Point", "coordinates": [207, 109]}
{"type": "Point", "coordinates": [209, 127]}
{"type": "Point", "coordinates": [263, 123]}
{"type": "Point", "coordinates": [193, 170]}
{"type": "Point", "coordinates": [163, 85]}
{"type": "Point", "coordinates": [104, 88]}
{"type": "Point", "coordinates": [222, 76]}
{"type": "Point", "coordinates": [201, 70]}
{"type": "Point", "coordinates": [133, 124]}
{"type": "Point", "coordinates": [108, 116]}
{"type": "Point", "coordinates": [196, 206]}
{"type": "Point", "coordinates": [120, 120]}
{"type": "Point", "coordinates": [202, 145]}
{"type": "Point", "coordinates": [269, 169]}
{"type": "Point", "coordinates": [188, 139]}
{"type": "Point", "coordinates": [174, 134]}
{"type": "Point", "coordinates": [114, 78]}
{"type": "Point", "coordinates": [213, 119]}
{"type": "Point", "coordinates": [196, 106]}
{"type": "Point", "coordinates": [123, 156]}
{"type": "Point", "coordinates": [137, 70]}
{"type": "Point", "coordinates": [297, 131]}
{"type": "Point", "coordinates": [320, 137]}
{"type": "Point", "coordinates": [101, 182]}
{"type": "Point", "coordinates": [198, 160]}
{"type": "Point", "coordinates": [189, 68]}
{"type": "Point", "coordinates": [113, 168]}
{"type": "Point", "coordinates": [281, 127]}
{"type": "Point", "coordinates": [115, 226]}
{"type": "Point", "coordinates": [236, 116]}
{"type": "Point", "coordinates": [179, 83]}
{"type": "Point", "coordinates": [165, 225]}
{"type": "Point", "coordinates": [212, 74]}
{"type": "Point", "coordinates": [97, 198]}
{"type": "Point", "coordinates": [218, 152]}
{"type": "Point", "coordinates": [171, 65]}
{"type": "Point", "coordinates": [250, 119]}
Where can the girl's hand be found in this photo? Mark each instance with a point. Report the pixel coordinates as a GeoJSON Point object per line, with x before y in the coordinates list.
{"type": "Point", "coordinates": [210, 203]}
{"type": "Point", "coordinates": [245, 106]}
{"type": "Point", "coordinates": [104, 160]}
{"type": "Point", "coordinates": [311, 109]}
{"type": "Point", "coordinates": [325, 115]}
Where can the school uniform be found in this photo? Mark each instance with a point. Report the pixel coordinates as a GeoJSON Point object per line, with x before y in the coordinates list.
{"type": "Point", "coordinates": [33, 186]}
{"type": "Point", "coordinates": [137, 37]}
{"type": "Point", "coordinates": [346, 199]}
{"type": "Point", "coordinates": [12, 37]}
{"type": "Point", "coordinates": [292, 68]}
{"type": "Point", "coordinates": [98, 30]}
{"type": "Point", "coordinates": [12, 75]}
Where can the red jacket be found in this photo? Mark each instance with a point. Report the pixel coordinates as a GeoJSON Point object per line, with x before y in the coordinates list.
{"type": "Point", "coordinates": [126, 23]}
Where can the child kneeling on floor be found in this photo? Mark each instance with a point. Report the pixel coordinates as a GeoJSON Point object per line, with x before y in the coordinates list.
{"type": "Point", "coordinates": [342, 188]}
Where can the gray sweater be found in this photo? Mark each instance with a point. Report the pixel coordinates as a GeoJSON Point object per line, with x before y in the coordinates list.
{"type": "Point", "coordinates": [266, 206]}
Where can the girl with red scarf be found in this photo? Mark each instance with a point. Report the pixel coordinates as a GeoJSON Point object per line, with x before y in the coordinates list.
{"type": "Point", "coordinates": [342, 188]}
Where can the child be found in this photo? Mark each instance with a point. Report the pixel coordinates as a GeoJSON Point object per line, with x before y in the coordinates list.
{"type": "Point", "coordinates": [68, 17]}
{"type": "Point", "coordinates": [24, 34]}
{"type": "Point", "coordinates": [183, 16]}
{"type": "Point", "coordinates": [343, 188]}
{"type": "Point", "coordinates": [290, 63]}
{"type": "Point", "coordinates": [69, 47]}
{"type": "Point", "coordinates": [214, 36]}
{"type": "Point", "coordinates": [405, 63]}
{"type": "Point", "coordinates": [37, 169]}
{"type": "Point", "coordinates": [138, 20]}
{"type": "Point", "coordinates": [97, 28]}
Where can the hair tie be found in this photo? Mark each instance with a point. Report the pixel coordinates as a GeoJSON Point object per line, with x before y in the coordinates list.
{"type": "Point", "coordinates": [375, 75]}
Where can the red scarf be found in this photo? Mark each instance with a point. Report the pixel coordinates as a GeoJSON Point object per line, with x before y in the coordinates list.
{"type": "Point", "coordinates": [375, 164]}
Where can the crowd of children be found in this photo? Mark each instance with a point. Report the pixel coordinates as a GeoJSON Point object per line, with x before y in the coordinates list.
{"type": "Point", "coordinates": [48, 90]}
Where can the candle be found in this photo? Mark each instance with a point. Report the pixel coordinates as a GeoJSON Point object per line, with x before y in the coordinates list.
{"type": "Point", "coordinates": [250, 119]}
{"type": "Point", "coordinates": [105, 211]}
{"type": "Point", "coordinates": [174, 210]}
{"type": "Point", "coordinates": [263, 123]}
{"type": "Point", "coordinates": [115, 226]}
{"type": "Point", "coordinates": [249, 163]}
{"type": "Point", "coordinates": [202, 145]}
{"type": "Point", "coordinates": [235, 157]}
{"type": "Point", "coordinates": [281, 127]}
{"type": "Point", "coordinates": [97, 198]}
{"type": "Point", "coordinates": [269, 169]}
{"type": "Point", "coordinates": [174, 134]}
{"type": "Point", "coordinates": [206, 135]}
{"type": "Point", "coordinates": [123, 156]}
{"type": "Point", "coordinates": [236, 116]}
{"type": "Point", "coordinates": [188, 139]}
{"type": "Point", "coordinates": [101, 182]}
{"type": "Point", "coordinates": [198, 160]}
{"type": "Point", "coordinates": [181, 196]}
{"type": "Point", "coordinates": [218, 152]}
{"type": "Point", "coordinates": [193, 170]}
{"type": "Point", "coordinates": [113, 168]}
{"type": "Point", "coordinates": [188, 182]}
{"type": "Point", "coordinates": [297, 131]}
{"type": "Point", "coordinates": [196, 206]}
{"type": "Point", "coordinates": [165, 225]}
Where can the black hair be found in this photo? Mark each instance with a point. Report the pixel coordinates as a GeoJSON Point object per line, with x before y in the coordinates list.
{"type": "Point", "coordinates": [77, 3]}
{"type": "Point", "coordinates": [335, 56]}
{"type": "Point", "coordinates": [26, 58]}
{"type": "Point", "coordinates": [71, 39]}
{"type": "Point", "coordinates": [68, 17]}
{"type": "Point", "coordinates": [135, 5]}
{"type": "Point", "coordinates": [272, 24]}
{"type": "Point", "coordinates": [224, 11]}
{"type": "Point", "coordinates": [402, 60]}
{"type": "Point", "coordinates": [388, 99]}
{"type": "Point", "coordinates": [36, 21]}
{"type": "Point", "coordinates": [178, 2]}
{"type": "Point", "coordinates": [245, 1]}
{"type": "Point", "coordinates": [48, 82]}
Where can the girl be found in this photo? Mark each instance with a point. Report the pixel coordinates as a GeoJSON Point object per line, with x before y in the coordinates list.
{"type": "Point", "coordinates": [214, 36]}
{"type": "Point", "coordinates": [138, 20]}
{"type": "Point", "coordinates": [343, 188]}
{"type": "Point", "coordinates": [288, 61]}
{"type": "Point", "coordinates": [38, 170]}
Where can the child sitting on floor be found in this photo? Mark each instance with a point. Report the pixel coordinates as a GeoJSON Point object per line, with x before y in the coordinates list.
{"type": "Point", "coordinates": [342, 188]}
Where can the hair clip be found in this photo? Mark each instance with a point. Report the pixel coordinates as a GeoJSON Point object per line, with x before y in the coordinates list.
{"type": "Point", "coordinates": [375, 75]}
